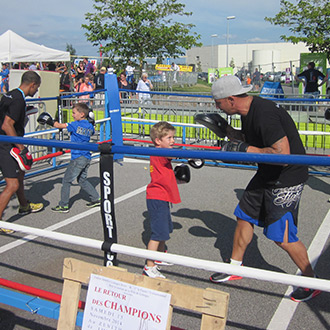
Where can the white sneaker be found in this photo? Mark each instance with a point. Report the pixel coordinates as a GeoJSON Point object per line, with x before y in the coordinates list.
{"type": "Point", "coordinates": [152, 272]}
{"type": "Point", "coordinates": [162, 263]}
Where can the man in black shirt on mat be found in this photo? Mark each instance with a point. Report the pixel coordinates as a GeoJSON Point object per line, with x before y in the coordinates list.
{"type": "Point", "coordinates": [271, 199]}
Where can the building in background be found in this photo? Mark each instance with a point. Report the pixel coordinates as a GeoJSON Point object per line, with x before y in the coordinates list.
{"type": "Point", "coordinates": [267, 57]}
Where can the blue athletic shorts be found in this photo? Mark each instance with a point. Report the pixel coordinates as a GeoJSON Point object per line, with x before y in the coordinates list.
{"type": "Point", "coordinates": [160, 219]}
{"type": "Point", "coordinates": [271, 208]}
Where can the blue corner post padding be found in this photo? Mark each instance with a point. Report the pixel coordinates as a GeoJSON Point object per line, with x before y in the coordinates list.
{"type": "Point", "coordinates": [272, 89]}
{"type": "Point", "coordinates": [113, 110]}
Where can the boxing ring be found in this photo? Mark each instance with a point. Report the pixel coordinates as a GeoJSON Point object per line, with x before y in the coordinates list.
{"type": "Point", "coordinates": [110, 246]}
{"type": "Point", "coordinates": [110, 152]}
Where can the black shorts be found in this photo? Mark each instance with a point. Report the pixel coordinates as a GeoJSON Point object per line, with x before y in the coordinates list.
{"type": "Point", "coordinates": [8, 164]}
{"type": "Point", "coordinates": [272, 208]}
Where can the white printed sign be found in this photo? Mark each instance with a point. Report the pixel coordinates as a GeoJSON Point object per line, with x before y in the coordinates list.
{"type": "Point", "coordinates": [115, 305]}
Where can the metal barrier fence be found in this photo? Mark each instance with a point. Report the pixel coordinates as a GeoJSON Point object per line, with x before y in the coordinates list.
{"type": "Point", "coordinates": [178, 108]}
{"type": "Point", "coordinates": [307, 114]}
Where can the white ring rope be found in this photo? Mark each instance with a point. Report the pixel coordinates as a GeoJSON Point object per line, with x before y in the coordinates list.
{"type": "Point", "coordinates": [213, 266]}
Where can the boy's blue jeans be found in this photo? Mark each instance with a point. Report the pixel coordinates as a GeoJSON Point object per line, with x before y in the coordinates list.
{"type": "Point", "coordinates": [77, 169]}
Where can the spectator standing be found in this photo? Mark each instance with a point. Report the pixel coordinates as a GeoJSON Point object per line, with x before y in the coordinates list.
{"type": "Point", "coordinates": [310, 78]}
{"type": "Point", "coordinates": [4, 78]}
{"type": "Point", "coordinates": [175, 68]}
{"type": "Point", "coordinates": [80, 70]}
{"type": "Point", "coordinates": [60, 67]}
{"type": "Point", "coordinates": [130, 72]}
{"type": "Point", "coordinates": [78, 83]}
{"type": "Point", "coordinates": [99, 84]}
{"type": "Point", "coordinates": [51, 66]}
{"type": "Point", "coordinates": [248, 79]}
{"type": "Point", "coordinates": [65, 80]}
{"type": "Point", "coordinates": [86, 86]}
{"type": "Point", "coordinates": [89, 67]}
{"type": "Point", "coordinates": [256, 80]}
{"type": "Point", "coordinates": [99, 78]}
{"type": "Point", "coordinates": [33, 66]}
{"type": "Point", "coordinates": [123, 84]}
{"type": "Point", "coordinates": [144, 85]}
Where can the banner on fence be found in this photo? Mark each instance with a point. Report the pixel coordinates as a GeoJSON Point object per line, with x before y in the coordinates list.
{"type": "Point", "coordinates": [167, 67]}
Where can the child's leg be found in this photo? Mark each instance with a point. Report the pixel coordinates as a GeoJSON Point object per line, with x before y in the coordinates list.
{"type": "Point", "coordinates": [161, 246]}
{"type": "Point", "coordinates": [70, 175]}
{"type": "Point", "coordinates": [152, 246]}
{"type": "Point", "coordinates": [85, 184]}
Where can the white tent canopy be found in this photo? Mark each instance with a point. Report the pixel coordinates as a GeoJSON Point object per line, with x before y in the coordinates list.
{"type": "Point", "coordinates": [14, 48]}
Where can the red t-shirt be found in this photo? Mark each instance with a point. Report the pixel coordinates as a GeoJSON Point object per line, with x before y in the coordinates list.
{"type": "Point", "coordinates": [163, 185]}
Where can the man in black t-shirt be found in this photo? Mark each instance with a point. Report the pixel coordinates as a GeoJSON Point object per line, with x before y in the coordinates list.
{"type": "Point", "coordinates": [310, 78]}
{"type": "Point", "coordinates": [99, 84]}
{"type": "Point", "coordinates": [271, 199]}
{"type": "Point", "coordinates": [12, 119]}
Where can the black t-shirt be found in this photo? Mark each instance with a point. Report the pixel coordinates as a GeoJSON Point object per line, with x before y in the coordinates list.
{"type": "Point", "coordinates": [51, 66]}
{"type": "Point", "coordinates": [124, 95]}
{"type": "Point", "coordinates": [99, 81]}
{"type": "Point", "coordinates": [312, 76]}
{"type": "Point", "coordinates": [13, 105]}
{"type": "Point", "coordinates": [266, 123]}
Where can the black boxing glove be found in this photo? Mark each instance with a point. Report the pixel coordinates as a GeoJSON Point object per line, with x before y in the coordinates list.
{"type": "Point", "coordinates": [182, 173]}
{"type": "Point", "coordinates": [91, 117]}
{"type": "Point", "coordinates": [196, 163]}
{"type": "Point", "coordinates": [239, 146]}
{"type": "Point", "coordinates": [214, 122]}
{"type": "Point", "coordinates": [23, 158]}
{"type": "Point", "coordinates": [45, 118]}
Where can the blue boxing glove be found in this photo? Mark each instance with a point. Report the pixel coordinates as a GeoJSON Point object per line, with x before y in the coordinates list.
{"type": "Point", "coordinates": [239, 146]}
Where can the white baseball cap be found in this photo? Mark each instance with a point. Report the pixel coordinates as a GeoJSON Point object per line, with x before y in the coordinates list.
{"type": "Point", "coordinates": [228, 86]}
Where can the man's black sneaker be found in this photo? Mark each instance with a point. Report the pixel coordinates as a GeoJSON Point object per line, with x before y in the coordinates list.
{"type": "Point", "coordinates": [222, 277]}
{"type": "Point", "coordinates": [304, 294]}
{"type": "Point", "coordinates": [94, 204]}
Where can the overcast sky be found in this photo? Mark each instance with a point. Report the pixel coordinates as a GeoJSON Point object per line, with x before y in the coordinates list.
{"type": "Point", "coordinates": [56, 23]}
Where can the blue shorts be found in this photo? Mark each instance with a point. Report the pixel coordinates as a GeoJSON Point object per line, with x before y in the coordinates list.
{"type": "Point", "coordinates": [160, 219]}
{"type": "Point", "coordinates": [271, 208]}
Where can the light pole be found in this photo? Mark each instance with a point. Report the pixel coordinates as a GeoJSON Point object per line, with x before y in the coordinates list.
{"type": "Point", "coordinates": [212, 51]}
{"type": "Point", "coordinates": [228, 18]}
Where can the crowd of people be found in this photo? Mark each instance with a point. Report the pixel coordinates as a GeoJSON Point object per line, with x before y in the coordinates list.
{"type": "Point", "coordinates": [84, 77]}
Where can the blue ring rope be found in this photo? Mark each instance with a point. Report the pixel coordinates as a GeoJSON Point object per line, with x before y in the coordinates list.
{"type": "Point", "coordinates": [178, 153]}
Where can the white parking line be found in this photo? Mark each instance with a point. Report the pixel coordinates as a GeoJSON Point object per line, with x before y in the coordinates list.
{"type": "Point", "coordinates": [66, 222]}
{"type": "Point", "coordinates": [285, 310]}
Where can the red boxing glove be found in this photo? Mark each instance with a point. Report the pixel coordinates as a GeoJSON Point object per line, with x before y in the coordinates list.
{"type": "Point", "coordinates": [23, 158]}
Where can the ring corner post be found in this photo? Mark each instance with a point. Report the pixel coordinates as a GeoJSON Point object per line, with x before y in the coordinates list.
{"type": "Point", "coordinates": [114, 110]}
{"type": "Point", "coordinates": [108, 204]}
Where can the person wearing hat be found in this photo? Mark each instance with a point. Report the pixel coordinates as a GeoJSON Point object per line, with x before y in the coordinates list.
{"type": "Point", "coordinates": [271, 199]}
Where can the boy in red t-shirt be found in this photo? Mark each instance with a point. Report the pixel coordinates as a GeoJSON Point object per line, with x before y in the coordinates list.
{"type": "Point", "coordinates": [161, 191]}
